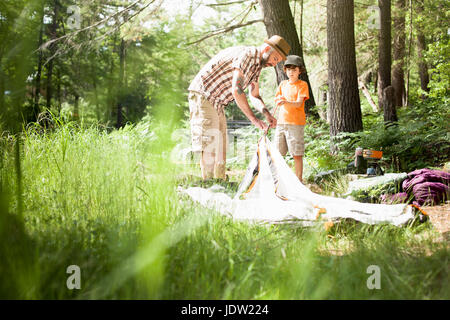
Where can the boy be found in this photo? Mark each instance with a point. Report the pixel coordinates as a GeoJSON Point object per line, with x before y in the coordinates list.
{"type": "Point", "coordinates": [290, 100]}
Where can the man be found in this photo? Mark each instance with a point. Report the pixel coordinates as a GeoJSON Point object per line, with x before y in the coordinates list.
{"type": "Point", "coordinates": [223, 79]}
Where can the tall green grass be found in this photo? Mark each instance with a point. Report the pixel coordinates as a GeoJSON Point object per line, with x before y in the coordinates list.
{"type": "Point", "coordinates": [108, 203]}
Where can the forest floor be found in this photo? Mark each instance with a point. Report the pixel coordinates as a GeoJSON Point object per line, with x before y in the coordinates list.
{"type": "Point", "coordinates": [105, 202]}
{"type": "Point", "coordinates": [439, 214]}
{"type": "Point", "coordinates": [440, 218]}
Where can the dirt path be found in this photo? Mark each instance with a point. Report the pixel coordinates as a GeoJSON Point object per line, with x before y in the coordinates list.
{"type": "Point", "coordinates": [440, 218]}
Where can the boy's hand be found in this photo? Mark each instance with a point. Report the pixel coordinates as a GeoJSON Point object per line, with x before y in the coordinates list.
{"type": "Point", "coordinates": [281, 101]}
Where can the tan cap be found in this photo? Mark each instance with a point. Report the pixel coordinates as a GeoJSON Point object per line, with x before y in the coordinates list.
{"type": "Point", "coordinates": [279, 44]}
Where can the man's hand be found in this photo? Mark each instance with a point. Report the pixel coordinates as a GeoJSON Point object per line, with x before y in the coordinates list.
{"type": "Point", "coordinates": [241, 101]}
{"type": "Point", "coordinates": [271, 119]}
{"type": "Point", "coordinates": [260, 124]}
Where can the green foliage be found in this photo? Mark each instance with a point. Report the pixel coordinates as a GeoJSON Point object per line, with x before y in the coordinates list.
{"type": "Point", "coordinates": [420, 139]}
{"type": "Point", "coordinates": [108, 203]}
{"type": "Point", "coordinates": [137, 66]}
{"type": "Point", "coordinates": [318, 154]}
{"type": "Point", "coordinates": [106, 199]}
{"type": "Point", "coordinates": [438, 56]}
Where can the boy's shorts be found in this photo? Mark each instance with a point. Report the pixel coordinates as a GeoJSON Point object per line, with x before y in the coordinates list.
{"type": "Point", "coordinates": [208, 128]}
{"type": "Point", "coordinates": [290, 137]}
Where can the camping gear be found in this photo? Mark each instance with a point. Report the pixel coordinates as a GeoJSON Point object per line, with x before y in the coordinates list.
{"type": "Point", "coordinates": [372, 157]}
{"type": "Point", "coordinates": [422, 187]}
{"type": "Point", "coordinates": [372, 154]}
{"type": "Point", "coordinates": [360, 165]}
{"type": "Point", "coordinates": [271, 192]}
{"type": "Point", "coordinates": [358, 155]}
{"type": "Point", "coordinates": [366, 161]}
{"type": "Point", "coordinates": [392, 181]}
{"type": "Point", "coordinates": [428, 186]}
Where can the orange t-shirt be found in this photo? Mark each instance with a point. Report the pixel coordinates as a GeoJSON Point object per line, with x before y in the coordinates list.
{"type": "Point", "coordinates": [292, 92]}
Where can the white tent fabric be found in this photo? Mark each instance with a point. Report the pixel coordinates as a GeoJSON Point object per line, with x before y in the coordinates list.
{"type": "Point", "coordinates": [271, 192]}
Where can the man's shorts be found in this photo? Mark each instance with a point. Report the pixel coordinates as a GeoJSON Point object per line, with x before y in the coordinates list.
{"type": "Point", "coordinates": [208, 127]}
{"type": "Point", "coordinates": [290, 137]}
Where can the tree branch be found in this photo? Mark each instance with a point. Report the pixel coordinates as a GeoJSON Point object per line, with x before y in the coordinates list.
{"type": "Point", "coordinates": [68, 37]}
{"type": "Point", "coordinates": [246, 12]}
{"type": "Point", "coordinates": [225, 4]}
{"type": "Point", "coordinates": [74, 33]}
{"type": "Point", "coordinates": [224, 30]}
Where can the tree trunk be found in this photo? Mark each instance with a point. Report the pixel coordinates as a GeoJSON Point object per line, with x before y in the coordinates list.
{"type": "Point", "coordinates": [52, 35]}
{"type": "Point", "coordinates": [344, 103]}
{"type": "Point", "coordinates": [122, 54]}
{"type": "Point", "coordinates": [2, 88]}
{"type": "Point", "coordinates": [37, 89]}
{"type": "Point", "coordinates": [421, 48]}
{"type": "Point", "coordinates": [301, 23]}
{"type": "Point", "coordinates": [375, 83]}
{"type": "Point", "coordinates": [384, 61]}
{"type": "Point", "coordinates": [278, 20]}
{"type": "Point", "coordinates": [408, 59]}
{"type": "Point", "coordinates": [49, 83]}
{"type": "Point", "coordinates": [111, 98]}
{"type": "Point", "coordinates": [97, 106]}
{"type": "Point", "coordinates": [76, 108]}
{"type": "Point", "coordinates": [58, 89]}
{"type": "Point", "coordinates": [398, 74]}
{"type": "Point", "coordinates": [369, 98]}
{"type": "Point", "coordinates": [390, 112]}
{"type": "Point", "coordinates": [2, 82]}
{"type": "Point", "coordinates": [423, 67]}
{"type": "Point", "coordinates": [384, 51]}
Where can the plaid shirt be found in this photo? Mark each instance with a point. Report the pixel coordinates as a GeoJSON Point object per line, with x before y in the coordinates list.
{"type": "Point", "coordinates": [214, 80]}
